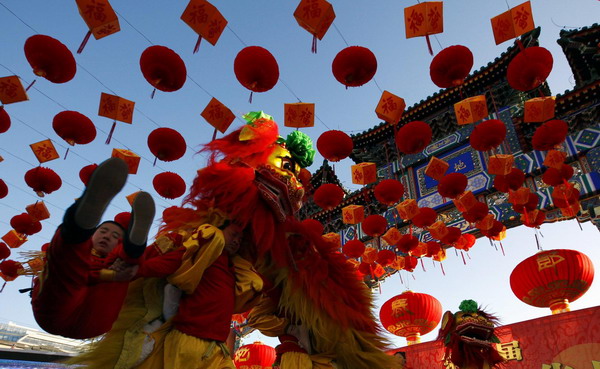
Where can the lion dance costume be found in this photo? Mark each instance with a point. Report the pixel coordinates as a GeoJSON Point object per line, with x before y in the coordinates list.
{"type": "Point", "coordinates": [299, 286]}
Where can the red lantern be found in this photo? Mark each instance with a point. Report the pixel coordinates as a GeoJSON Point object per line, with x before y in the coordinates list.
{"type": "Point", "coordinates": [334, 145]}
{"type": "Point", "coordinates": [529, 68]}
{"type": "Point", "coordinates": [511, 181]}
{"type": "Point", "coordinates": [166, 144]}
{"type": "Point", "coordinates": [3, 189]}
{"type": "Point", "coordinates": [413, 137]}
{"type": "Point", "coordinates": [477, 212]}
{"type": "Point", "coordinates": [374, 225]}
{"type": "Point", "coordinates": [565, 195]}
{"type": "Point", "coordinates": [389, 191]}
{"type": "Point", "coordinates": [25, 224]}
{"type": "Point", "coordinates": [354, 66]}
{"type": "Point", "coordinates": [451, 236]}
{"type": "Point", "coordinates": [74, 127]}
{"type": "Point", "coordinates": [433, 248]}
{"type": "Point", "coordinates": [11, 268]}
{"type": "Point", "coordinates": [488, 135]}
{"type": "Point", "coordinates": [530, 205]}
{"type": "Point", "coordinates": [315, 16]}
{"type": "Point", "coordinates": [407, 243]}
{"type": "Point", "coordinates": [4, 251]}
{"type": "Point", "coordinates": [42, 180]}
{"type": "Point", "coordinates": [552, 278]}
{"type": "Point", "coordinates": [385, 257]}
{"type": "Point", "coordinates": [254, 356]}
{"type": "Point", "coordinates": [86, 172]}
{"type": "Point", "coordinates": [169, 185]}
{"type": "Point", "coordinates": [163, 68]}
{"type": "Point", "coordinates": [328, 196]}
{"type": "Point", "coordinates": [496, 229]}
{"type": "Point", "coordinates": [256, 69]}
{"type": "Point", "coordinates": [353, 249]}
{"type": "Point", "coordinates": [410, 262]}
{"type": "Point", "coordinates": [315, 226]}
{"type": "Point", "coordinates": [450, 66]}
{"type": "Point", "coordinates": [452, 185]}
{"type": "Point", "coordinates": [549, 135]}
{"type": "Point", "coordinates": [410, 315]}
{"type": "Point", "coordinates": [533, 219]}
{"type": "Point", "coordinates": [465, 242]}
{"type": "Point", "coordinates": [50, 59]}
{"type": "Point", "coordinates": [4, 120]}
{"type": "Point", "coordinates": [556, 177]}
{"type": "Point", "coordinates": [205, 19]}
{"type": "Point", "coordinates": [425, 217]}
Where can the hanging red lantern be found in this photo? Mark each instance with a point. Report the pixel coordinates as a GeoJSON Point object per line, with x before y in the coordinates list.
{"type": "Point", "coordinates": [86, 172]}
{"type": "Point", "coordinates": [315, 226]}
{"type": "Point", "coordinates": [335, 145]}
{"type": "Point", "coordinates": [50, 59]}
{"type": "Point", "coordinates": [531, 204]}
{"type": "Point", "coordinates": [565, 195]}
{"type": "Point", "coordinates": [552, 278]}
{"type": "Point", "coordinates": [556, 177]}
{"type": "Point", "coordinates": [385, 257]}
{"type": "Point", "coordinates": [424, 19]}
{"type": "Point", "coordinates": [169, 185]}
{"type": "Point", "coordinates": [163, 68]}
{"type": "Point", "coordinates": [315, 16]}
{"type": "Point", "coordinates": [407, 243]}
{"type": "Point", "coordinates": [549, 135]}
{"type": "Point", "coordinates": [3, 189]}
{"type": "Point", "coordinates": [25, 224]}
{"type": "Point", "coordinates": [205, 19]}
{"type": "Point", "coordinates": [451, 236]}
{"type": "Point", "coordinates": [433, 248]}
{"type": "Point", "coordinates": [511, 181]}
{"type": "Point", "coordinates": [353, 249]}
{"type": "Point", "coordinates": [43, 180]}
{"type": "Point", "coordinates": [413, 137]}
{"type": "Point", "coordinates": [374, 225]}
{"type": "Point", "coordinates": [495, 230]}
{"type": "Point", "coordinates": [425, 217]}
{"type": "Point", "coordinates": [488, 135]}
{"type": "Point", "coordinates": [529, 68]}
{"type": "Point", "coordinates": [4, 251]}
{"type": "Point", "coordinates": [354, 66]}
{"type": "Point", "coordinates": [451, 66]}
{"type": "Point", "coordinates": [254, 356]}
{"type": "Point", "coordinates": [166, 144]}
{"type": "Point", "coordinates": [410, 262]}
{"type": "Point", "coordinates": [4, 120]}
{"type": "Point", "coordinates": [452, 185]}
{"type": "Point", "coordinates": [389, 191]}
{"type": "Point", "coordinates": [465, 242]}
{"type": "Point", "coordinates": [12, 269]}
{"type": "Point", "coordinates": [477, 212]}
{"type": "Point", "coordinates": [534, 218]}
{"type": "Point", "coordinates": [100, 18]}
{"type": "Point", "coordinates": [411, 315]}
{"type": "Point", "coordinates": [256, 69]}
{"type": "Point", "coordinates": [74, 127]}
{"type": "Point", "coordinates": [328, 196]}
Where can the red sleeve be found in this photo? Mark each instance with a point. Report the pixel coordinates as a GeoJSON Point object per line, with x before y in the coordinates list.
{"type": "Point", "coordinates": [162, 265]}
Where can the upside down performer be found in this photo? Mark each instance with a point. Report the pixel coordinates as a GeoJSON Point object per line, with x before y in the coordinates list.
{"type": "Point", "coordinates": [80, 292]}
{"type": "Point", "coordinates": [235, 244]}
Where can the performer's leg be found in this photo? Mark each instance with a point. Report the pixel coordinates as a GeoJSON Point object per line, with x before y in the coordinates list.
{"type": "Point", "coordinates": [142, 215]}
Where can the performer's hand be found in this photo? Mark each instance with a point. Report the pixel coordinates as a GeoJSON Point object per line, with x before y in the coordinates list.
{"type": "Point", "coordinates": [126, 273]}
{"type": "Point", "coordinates": [118, 265]}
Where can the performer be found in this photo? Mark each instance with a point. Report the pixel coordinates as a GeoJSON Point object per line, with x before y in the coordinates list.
{"type": "Point", "coordinates": [83, 284]}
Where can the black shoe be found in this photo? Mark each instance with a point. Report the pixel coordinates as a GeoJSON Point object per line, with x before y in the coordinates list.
{"type": "Point", "coordinates": [106, 182]}
{"type": "Point", "coordinates": [142, 216]}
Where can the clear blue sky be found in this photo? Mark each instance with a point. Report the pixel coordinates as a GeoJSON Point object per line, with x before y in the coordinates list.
{"type": "Point", "coordinates": [112, 65]}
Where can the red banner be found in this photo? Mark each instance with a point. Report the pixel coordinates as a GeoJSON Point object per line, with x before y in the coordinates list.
{"type": "Point", "coordinates": [563, 341]}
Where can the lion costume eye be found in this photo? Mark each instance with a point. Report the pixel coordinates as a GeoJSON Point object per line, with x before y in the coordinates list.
{"type": "Point", "coordinates": [287, 163]}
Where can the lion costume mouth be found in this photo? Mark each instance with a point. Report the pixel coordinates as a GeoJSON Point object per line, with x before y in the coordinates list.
{"type": "Point", "coordinates": [473, 332]}
{"type": "Point", "coordinates": [282, 192]}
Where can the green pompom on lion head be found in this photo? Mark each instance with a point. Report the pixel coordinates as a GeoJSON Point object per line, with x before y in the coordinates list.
{"type": "Point", "coordinates": [468, 306]}
{"type": "Point", "coordinates": [300, 145]}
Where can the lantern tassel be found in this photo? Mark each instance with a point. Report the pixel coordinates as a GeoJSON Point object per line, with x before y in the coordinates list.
{"type": "Point", "coordinates": [463, 257]}
{"type": "Point", "coordinates": [66, 153]}
{"type": "Point", "coordinates": [197, 47]}
{"type": "Point", "coordinates": [214, 135]}
{"type": "Point", "coordinates": [250, 99]}
{"type": "Point", "coordinates": [429, 45]}
{"type": "Point", "coordinates": [152, 94]}
{"type": "Point", "coordinates": [30, 85]}
{"type": "Point", "coordinates": [422, 265]}
{"type": "Point", "coordinates": [442, 266]}
{"type": "Point", "coordinates": [154, 164]}
{"type": "Point", "coordinates": [84, 42]}
{"type": "Point", "coordinates": [112, 130]}
{"type": "Point", "coordinates": [2, 289]}
{"type": "Point", "coordinates": [400, 275]}
{"type": "Point", "coordinates": [502, 248]}
{"type": "Point", "coordinates": [314, 44]}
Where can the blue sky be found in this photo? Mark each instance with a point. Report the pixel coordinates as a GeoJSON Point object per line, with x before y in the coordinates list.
{"type": "Point", "coordinates": [111, 65]}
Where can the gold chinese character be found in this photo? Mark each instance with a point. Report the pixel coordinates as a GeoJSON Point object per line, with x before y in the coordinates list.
{"type": "Point", "coordinates": [510, 350]}
{"type": "Point", "coordinates": [459, 166]}
{"type": "Point", "coordinates": [548, 261]}
{"type": "Point", "coordinates": [399, 307]}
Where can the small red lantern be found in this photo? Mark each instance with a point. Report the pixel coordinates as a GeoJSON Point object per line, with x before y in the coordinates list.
{"type": "Point", "coordinates": [410, 262]}
{"type": "Point", "coordinates": [465, 242]}
{"type": "Point", "coordinates": [4, 120]}
{"type": "Point", "coordinates": [11, 268]}
{"type": "Point", "coordinates": [407, 243]}
{"type": "Point", "coordinates": [43, 180]}
{"type": "Point", "coordinates": [166, 144]}
{"type": "Point", "coordinates": [315, 16]}
{"type": "Point", "coordinates": [25, 224]}
{"type": "Point", "coordinates": [530, 205]}
{"type": "Point", "coordinates": [256, 69]}
{"type": "Point", "coordinates": [495, 230]}
{"type": "Point", "coordinates": [410, 315]}
{"type": "Point", "coordinates": [86, 172]}
{"type": "Point", "coordinates": [315, 226]}
{"type": "Point", "coordinates": [511, 181]}
{"type": "Point", "coordinates": [565, 195]}
{"type": "Point", "coordinates": [451, 66]}
{"type": "Point", "coordinates": [50, 59]}
{"type": "Point", "coordinates": [254, 356]}
{"type": "Point", "coordinates": [163, 68]}
{"type": "Point", "coordinates": [389, 191]}
{"type": "Point", "coordinates": [335, 145]}
{"type": "Point", "coordinates": [374, 225]}
{"type": "Point", "coordinates": [534, 218]}
{"type": "Point", "coordinates": [477, 212]}
{"type": "Point", "coordinates": [425, 217]}
{"type": "Point", "coordinates": [549, 135]}
{"type": "Point", "coordinates": [205, 19]}
{"type": "Point", "coordinates": [328, 196]}
{"type": "Point", "coordinates": [74, 127]}
{"type": "Point", "coordinates": [3, 189]}
{"type": "Point", "coordinates": [4, 251]}
{"type": "Point", "coordinates": [552, 278]}
{"type": "Point", "coordinates": [413, 137]}
{"type": "Point", "coordinates": [452, 185]}
{"type": "Point", "coordinates": [169, 185]}
{"type": "Point", "coordinates": [354, 66]}
{"type": "Point", "coordinates": [353, 249]}
{"type": "Point", "coordinates": [529, 68]}
{"type": "Point", "coordinates": [556, 177]}
{"type": "Point", "coordinates": [385, 257]}
{"type": "Point", "coordinates": [488, 135]}
{"type": "Point", "coordinates": [451, 236]}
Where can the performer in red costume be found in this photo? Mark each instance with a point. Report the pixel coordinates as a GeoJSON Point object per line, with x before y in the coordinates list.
{"type": "Point", "coordinates": [83, 285]}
